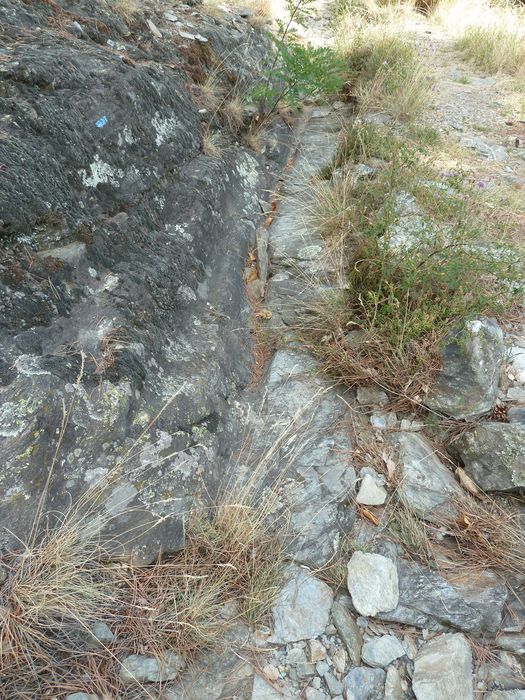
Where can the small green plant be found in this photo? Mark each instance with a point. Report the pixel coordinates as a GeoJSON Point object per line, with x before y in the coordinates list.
{"type": "Point", "coordinates": [300, 71]}
{"type": "Point", "coordinates": [297, 71]}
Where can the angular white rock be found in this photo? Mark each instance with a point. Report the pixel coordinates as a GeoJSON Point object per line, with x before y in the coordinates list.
{"type": "Point", "coordinates": [302, 608]}
{"type": "Point", "coordinates": [370, 492]}
{"type": "Point", "coordinates": [373, 584]}
{"type": "Point", "coordinates": [380, 652]}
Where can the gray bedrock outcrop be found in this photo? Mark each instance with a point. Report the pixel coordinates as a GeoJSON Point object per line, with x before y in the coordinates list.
{"type": "Point", "coordinates": [122, 244]}
{"type": "Point", "coordinates": [299, 417]}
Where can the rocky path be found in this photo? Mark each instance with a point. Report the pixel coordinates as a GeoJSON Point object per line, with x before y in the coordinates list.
{"type": "Point", "coordinates": [359, 616]}
{"type": "Point", "coordinates": [404, 631]}
{"type": "Point", "coordinates": [481, 113]}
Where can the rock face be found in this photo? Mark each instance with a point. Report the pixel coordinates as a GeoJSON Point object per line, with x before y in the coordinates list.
{"type": "Point", "coordinates": [299, 427]}
{"type": "Point", "coordinates": [427, 485]}
{"type": "Point", "coordinates": [443, 669]}
{"type": "Point", "coordinates": [494, 455]}
{"type": "Point", "coordinates": [428, 600]}
{"type": "Point", "coordinates": [467, 384]}
{"type": "Point", "coordinates": [302, 609]}
{"type": "Point", "coordinates": [372, 582]}
{"type": "Point", "coordinates": [119, 307]}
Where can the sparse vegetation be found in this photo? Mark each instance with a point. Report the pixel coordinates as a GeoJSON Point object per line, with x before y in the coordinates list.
{"type": "Point", "coordinates": [67, 579]}
{"type": "Point", "coordinates": [494, 49]}
{"type": "Point", "coordinates": [413, 241]}
{"type": "Point", "coordinates": [488, 535]}
{"type": "Point", "coordinates": [126, 8]}
{"type": "Point", "coordinates": [385, 70]}
{"type": "Point", "coordinates": [297, 70]}
{"type": "Point", "coordinates": [212, 144]}
{"type": "Point", "coordinates": [490, 34]}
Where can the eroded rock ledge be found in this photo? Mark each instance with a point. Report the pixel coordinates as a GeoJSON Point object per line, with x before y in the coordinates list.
{"type": "Point", "coordinates": [121, 258]}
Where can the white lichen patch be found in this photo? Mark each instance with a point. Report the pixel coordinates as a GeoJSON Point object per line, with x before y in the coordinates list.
{"type": "Point", "coordinates": [14, 417]}
{"type": "Point", "coordinates": [29, 365]}
{"type": "Point", "coordinates": [177, 230]}
{"type": "Point", "coordinates": [186, 294]}
{"type": "Point", "coordinates": [165, 128]}
{"type": "Point", "coordinates": [126, 137]}
{"type": "Point", "coordinates": [120, 498]}
{"type": "Point", "coordinates": [150, 455]}
{"type": "Point", "coordinates": [100, 173]}
{"type": "Point", "coordinates": [103, 405]}
{"type": "Point", "coordinates": [248, 169]}
{"type": "Point", "coordinates": [94, 476]}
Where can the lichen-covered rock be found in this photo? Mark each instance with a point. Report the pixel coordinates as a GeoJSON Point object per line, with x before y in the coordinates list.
{"type": "Point", "coordinates": [467, 383]}
{"type": "Point", "coordinates": [124, 338]}
{"type": "Point", "coordinates": [494, 455]}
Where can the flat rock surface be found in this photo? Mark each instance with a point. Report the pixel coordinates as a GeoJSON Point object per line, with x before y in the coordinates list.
{"type": "Point", "coordinates": [443, 669]}
{"type": "Point", "coordinates": [426, 599]}
{"type": "Point", "coordinates": [427, 485]}
{"type": "Point", "coordinates": [302, 608]}
{"type": "Point", "coordinates": [373, 583]}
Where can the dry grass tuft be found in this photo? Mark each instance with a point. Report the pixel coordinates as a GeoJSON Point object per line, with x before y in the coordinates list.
{"type": "Point", "coordinates": [126, 8]}
{"type": "Point", "coordinates": [58, 588]}
{"type": "Point", "coordinates": [211, 94]}
{"type": "Point", "coordinates": [254, 138]}
{"type": "Point", "coordinates": [386, 71]}
{"type": "Point", "coordinates": [230, 563]}
{"type": "Point", "coordinates": [231, 112]}
{"type": "Point", "coordinates": [212, 144]}
{"type": "Point", "coordinates": [488, 535]}
{"type": "Point", "coordinates": [410, 532]}
{"type": "Point", "coordinates": [490, 34]}
{"type": "Point", "coordinates": [373, 360]}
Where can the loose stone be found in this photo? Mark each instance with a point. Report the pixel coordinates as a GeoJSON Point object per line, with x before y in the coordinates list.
{"type": "Point", "coordinates": [372, 582]}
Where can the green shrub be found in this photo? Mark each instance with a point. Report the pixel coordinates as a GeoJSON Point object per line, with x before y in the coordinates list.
{"type": "Point", "coordinates": [299, 72]}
